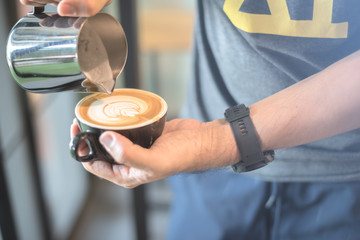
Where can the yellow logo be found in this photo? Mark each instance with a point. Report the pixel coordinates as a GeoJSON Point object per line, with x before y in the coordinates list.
{"type": "Point", "coordinates": [280, 23]}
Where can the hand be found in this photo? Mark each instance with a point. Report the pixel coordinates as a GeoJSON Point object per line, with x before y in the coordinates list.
{"type": "Point", "coordinates": [75, 8]}
{"type": "Point", "coordinates": [184, 146]}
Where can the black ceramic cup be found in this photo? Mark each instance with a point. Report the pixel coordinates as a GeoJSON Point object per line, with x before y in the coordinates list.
{"type": "Point", "coordinates": [136, 114]}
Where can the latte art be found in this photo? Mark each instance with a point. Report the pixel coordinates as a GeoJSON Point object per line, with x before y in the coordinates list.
{"type": "Point", "coordinates": [118, 110]}
{"type": "Point", "coordinates": [124, 109]}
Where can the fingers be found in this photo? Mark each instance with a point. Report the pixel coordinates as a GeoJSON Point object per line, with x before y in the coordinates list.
{"type": "Point", "coordinates": [30, 2]}
{"type": "Point", "coordinates": [83, 148]}
{"type": "Point", "coordinates": [134, 165]}
{"type": "Point", "coordinates": [74, 129]}
{"type": "Point", "coordinates": [83, 8]}
{"type": "Point", "coordinates": [121, 175]}
{"type": "Point", "coordinates": [75, 8]}
{"type": "Point", "coordinates": [133, 162]}
{"type": "Point", "coordinates": [39, 3]}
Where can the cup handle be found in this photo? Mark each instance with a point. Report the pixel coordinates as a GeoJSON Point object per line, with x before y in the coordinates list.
{"type": "Point", "coordinates": [96, 151]}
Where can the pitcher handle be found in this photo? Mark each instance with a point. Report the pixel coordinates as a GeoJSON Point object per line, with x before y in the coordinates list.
{"type": "Point", "coordinates": [38, 10]}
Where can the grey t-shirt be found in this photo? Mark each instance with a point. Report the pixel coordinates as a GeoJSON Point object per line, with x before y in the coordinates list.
{"type": "Point", "coordinates": [247, 50]}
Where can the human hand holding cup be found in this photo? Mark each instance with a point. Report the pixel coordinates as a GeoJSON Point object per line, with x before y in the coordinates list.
{"type": "Point", "coordinates": [136, 114]}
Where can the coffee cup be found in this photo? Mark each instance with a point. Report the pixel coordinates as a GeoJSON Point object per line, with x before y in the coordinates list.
{"type": "Point", "coordinates": [136, 114]}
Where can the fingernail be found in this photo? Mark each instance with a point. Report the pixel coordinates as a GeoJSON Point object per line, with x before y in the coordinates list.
{"type": "Point", "coordinates": [107, 140]}
{"type": "Point", "coordinates": [111, 145]}
{"type": "Point", "coordinates": [66, 9]}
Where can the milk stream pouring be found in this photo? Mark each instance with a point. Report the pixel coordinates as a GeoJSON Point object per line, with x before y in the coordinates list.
{"type": "Point", "coordinates": [49, 53]}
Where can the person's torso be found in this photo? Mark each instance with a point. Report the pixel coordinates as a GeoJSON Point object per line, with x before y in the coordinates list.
{"type": "Point", "coordinates": [246, 50]}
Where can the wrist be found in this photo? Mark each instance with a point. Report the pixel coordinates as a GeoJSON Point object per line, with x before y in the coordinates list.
{"type": "Point", "coordinates": [254, 116]}
{"type": "Point", "coordinates": [218, 148]}
{"type": "Point", "coordinates": [227, 139]}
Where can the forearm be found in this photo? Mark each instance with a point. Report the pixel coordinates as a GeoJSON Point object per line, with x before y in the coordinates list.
{"type": "Point", "coordinates": [321, 106]}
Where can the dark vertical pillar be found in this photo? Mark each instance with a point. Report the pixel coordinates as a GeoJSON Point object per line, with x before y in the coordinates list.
{"type": "Point", "coordinates": [128, 19]}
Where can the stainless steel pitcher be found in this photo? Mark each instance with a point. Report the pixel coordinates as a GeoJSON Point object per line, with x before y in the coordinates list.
{"type": "Point", "coordinates": [50, 53]}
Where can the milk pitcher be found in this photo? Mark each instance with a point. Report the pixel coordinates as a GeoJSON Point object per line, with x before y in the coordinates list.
{"type": "Point", "coordinates": [49, 53]}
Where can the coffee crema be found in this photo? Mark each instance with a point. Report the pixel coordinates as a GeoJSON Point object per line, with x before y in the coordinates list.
{"type": "Point", "coordinates": [124, 109]}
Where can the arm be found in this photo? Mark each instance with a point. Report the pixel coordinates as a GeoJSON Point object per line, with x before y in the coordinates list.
{"type": "Point", "coordinates": [321, 106]}
{"type": "Point", "coordinates": [318, 107]}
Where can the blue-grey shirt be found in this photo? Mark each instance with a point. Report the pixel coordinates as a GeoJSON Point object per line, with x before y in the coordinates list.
{"type": "Point", "coordinates": [245, 51]}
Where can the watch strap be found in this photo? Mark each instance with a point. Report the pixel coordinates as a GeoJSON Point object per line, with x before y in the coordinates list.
{"type": "Point", "coordinates": [247, 141]}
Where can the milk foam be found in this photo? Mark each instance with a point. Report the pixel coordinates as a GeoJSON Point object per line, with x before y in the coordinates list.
{"type": "Point", "coordinates": [124, 109]}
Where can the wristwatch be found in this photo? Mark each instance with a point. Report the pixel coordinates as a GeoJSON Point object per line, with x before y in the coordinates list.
{"type": "Point", "coordinates": [252, 157]}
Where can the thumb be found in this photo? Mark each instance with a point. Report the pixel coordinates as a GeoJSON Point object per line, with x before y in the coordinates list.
{"type": "Point", "coordinates": [123, 150]}
{"type": "Point", "coordinates": [112, 145]}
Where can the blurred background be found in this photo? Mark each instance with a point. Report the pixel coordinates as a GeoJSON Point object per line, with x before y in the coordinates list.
{"type": "Point", "coordinates": [45, 194]}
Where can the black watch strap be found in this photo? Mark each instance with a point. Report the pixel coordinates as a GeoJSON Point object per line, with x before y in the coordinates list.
{"type": "Point", "coordinates": [247, 141]}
